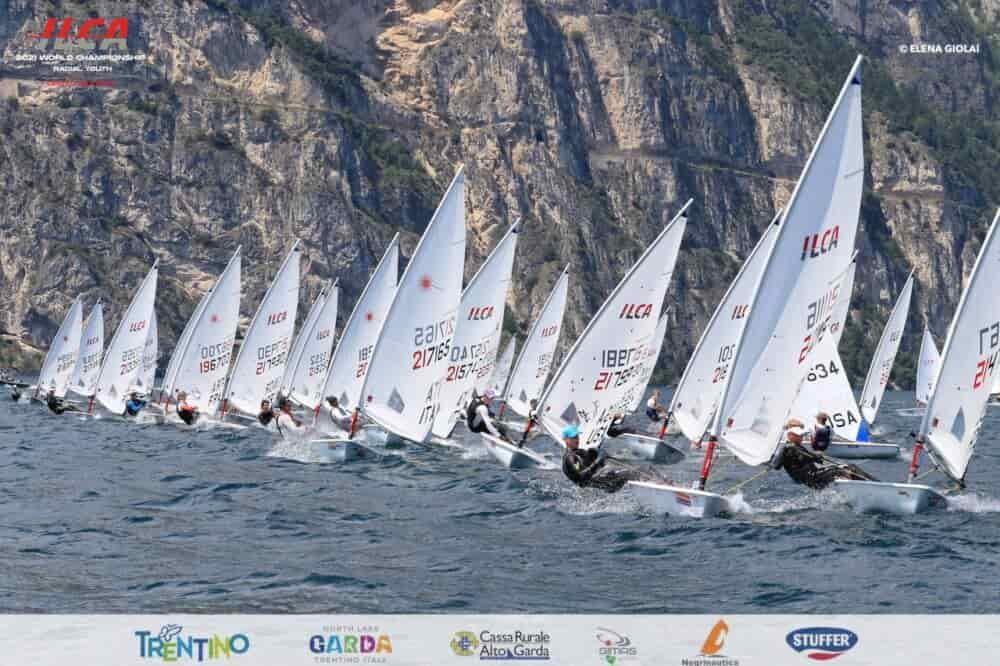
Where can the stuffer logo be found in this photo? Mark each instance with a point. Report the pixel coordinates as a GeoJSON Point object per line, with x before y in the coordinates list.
{"type": "Point", "coordinates": [822, 643]}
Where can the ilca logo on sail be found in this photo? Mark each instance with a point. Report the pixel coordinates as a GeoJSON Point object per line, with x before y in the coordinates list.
{"type": "Point", "coordinates": [615, 648]}
{"type": "Point", "coordinates": [711, 650]}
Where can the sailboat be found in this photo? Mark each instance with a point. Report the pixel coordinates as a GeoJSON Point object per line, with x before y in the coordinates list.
{"type": "Point", "coordinates": [528, 376]}
{"type": "Point", "coordinates": [61, 358]}
{"type": "Point", "coordinates": [638, 445]}
{"type": "Point", "coordinates": [201, 359]}
{"type": "Point", "coordinates": [401, 392]}
{"type": "Point", "coordinates": [477, 333]}
{"type": "Point", "coordinates": [950, 425]}
{"type": "Point", "coordinates": [694, 401]}
{"type": "Point", "coordinates": [349, 363]}
{"type": "Point", "coordinates": [88, 364]}
{"type": "Point", "coordinates": [600, 375]}
{"type": "Point", "coordinates": [310, 357]}
{"type": "Point", "coordinates": [927, 368]}
{"type": "Point", "coordinates": [123, 360]}
{"type": "Point", "coordinates": [791, 310]}
{"type": "Point", "coordinates": [260, 362]}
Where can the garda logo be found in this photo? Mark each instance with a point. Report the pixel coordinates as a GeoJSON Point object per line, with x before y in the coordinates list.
{"type": "Point", "coordinates": [502, 645]}
{"type": "Point", "coordinates": [636, 311]}
{"type": "Point", "coordinates": [170, 645]}
{"type": "Point", "coordinates": [711, 650]}
{"type": "Point", "coordinates": [819, 244]}
{"type": "Point", "coordinates": [822, 643]}
{"type": "Point", "coordinates": [615, 648]}
{"type": "Point", "coordinates": [350, 644]}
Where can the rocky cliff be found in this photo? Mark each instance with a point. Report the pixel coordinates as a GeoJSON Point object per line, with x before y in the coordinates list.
{"type": "Point", "coordinates": [593, 120]}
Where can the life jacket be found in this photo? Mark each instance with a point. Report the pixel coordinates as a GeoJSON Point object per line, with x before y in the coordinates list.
{"type": "Point", "coordinates": [470, 416]}
{"type": "Point", "coordinates": [821, 438]}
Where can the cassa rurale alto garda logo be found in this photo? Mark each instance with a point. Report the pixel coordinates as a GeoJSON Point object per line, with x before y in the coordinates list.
{"type": "Point", "coordinates": [502, 645]}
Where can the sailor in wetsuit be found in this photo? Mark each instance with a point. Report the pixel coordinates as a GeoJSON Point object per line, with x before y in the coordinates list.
{"type": "Point", "coordinates": [266, 414]}
{"type": "Point", "coordinates": [617, 428]}
{"type": "Point", "coordinates": [581, 466]}
{"type": "Point", "coordinates": [809, 468]}
{"type": "Point", "coordinates": [479, 417]}
{"type": "Point", "coordinates": [822, 433]}
{"type": "Point", "coordinates": [185, 410]}
{"type": "Point", "coordinates": [134, 404]}
{"type": "Point", "coordinates": [57, 404]}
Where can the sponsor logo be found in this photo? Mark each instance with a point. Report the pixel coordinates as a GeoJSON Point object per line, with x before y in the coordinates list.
{"type": "Point", "coordinates": [682, 498]}
{"type": "Point", "coordinates": [711, 650]}
{"type": "Point", "coordinates": [636, 311]}
{"type": "Point", "coordinates": [170, 645]}
{"type": "Point", "coordinates": [350, 644]}
{"type": "Point", "coordinates": [821, 243]}
{"type": "Point", "coordinates": [480, 313]}
{"type": "Point", "coordinates": [491, 645]}
{"type": "Point", "coordinates": [822, 643]}
{"type": "Point", "coordinates": [91, 29]}
{"type": "Point", "coordinates": [615, 648]}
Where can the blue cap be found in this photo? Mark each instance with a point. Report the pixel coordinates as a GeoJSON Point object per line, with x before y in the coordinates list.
{"type": "Point", "coordinates": [570, 431]}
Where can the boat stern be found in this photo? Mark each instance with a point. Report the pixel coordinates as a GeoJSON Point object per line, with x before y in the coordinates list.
{"type": "Point", "coordinates": [897, 498]}
{"type": "Point", "coordinates": [677, 500]}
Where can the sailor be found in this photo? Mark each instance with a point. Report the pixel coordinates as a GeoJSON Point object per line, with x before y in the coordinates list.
{"type": "Point", "coordinates": [617, 428]}
{"type": "Point", "coordinates": [57, 404]}
{"type": "Point", "coordinates": [809, 468]}
{"type": "Point", "coordinates": [581, 466]}
{"type": "Point", "coordinates": [266, 414]}
{"type": "Point", "coordinates": [134, 404]}
{"type": "Point", "coordinates": [479, 418]}
{"type": "Point", "coordinates": [822, 433]}
{"type": "Point", "coordinates": [285, 421]}
{"type": "Point", "coordinates": [338, 414]}
{"type": "Point", "coordinates": [185, 410]}
{"type": "Point", "coordinates": [654, 410]}
{"type": "Point", "coordinates": [15, 392]}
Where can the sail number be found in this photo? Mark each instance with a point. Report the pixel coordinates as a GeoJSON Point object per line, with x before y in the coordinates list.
{"type": "Point", "coordinates": [991, 333]}
{"type": "Point", "coordinates": [364, 355]}
{"type": "Point", "coordinates": [725, 356]}
{"type": "Point", "coordinates": [617, 358]}
{"type": "Point", "coordinates": [271, 356]}
{"type": "Point", "coordinates": [822, 371]}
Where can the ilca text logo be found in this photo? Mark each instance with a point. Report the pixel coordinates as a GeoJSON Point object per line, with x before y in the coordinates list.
{"type": "Point", "coordinates": [822, 643]}
{"type": "Point", "coordinates": [351, 644]}
{"type": "Point", "coordinates": [502, 645]}
{"type": "Point", "coordinates": [711, 650]}
{"type": "Point", "coordinates": [615, 648]}
{"type": "Point", "coordinates": [170, 644]}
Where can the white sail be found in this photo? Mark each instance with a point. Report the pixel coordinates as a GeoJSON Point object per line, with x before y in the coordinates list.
{"type": "Point", "coordinates": [300, 341]}
{"type": "Point", "coordinates": [477, 332]}
{"type": "Point", "coordinates": [649, 360]}
{"type": "Point", "coordinates": [968, 364]}
{"type": "Point", "coordinates": [123, 360]}
{"type": "Point", "coordinates": [202, 358]}
{"type": "Point", "coordinates": [350, 359]}
{"type": "Point", "coordinates": [885, 354]}
{"type": "Point", "coordinates": [260, 362]}
{"type": "Point", "coordinates": [697, 395]}
{"type": "Point", "coordinates": [599, 376]}
{"type": "Point", "coordinates": [927, 368]}
{"type": "Point", "coordinates": [795, 297]}
{"type": "Point", "coordinates": [149, 353]}
{"type": "Point", "coordinates": [307, 373]}
{"type": "Point", "coordinates": [527, 377]}
{"type": "Point", "coordinates": [61, 358]}
{"type": "Point", "coordinates": [402, 388]}
{"type": "Point", "coordinates": [88, 363]}
{"type": "Point", "coordinates": [825, 387]}
{"type": "Point", "coordinates": [501, 373]}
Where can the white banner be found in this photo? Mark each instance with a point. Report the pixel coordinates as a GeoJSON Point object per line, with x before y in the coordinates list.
{"type": "Point", "coordinates": [577, 640]}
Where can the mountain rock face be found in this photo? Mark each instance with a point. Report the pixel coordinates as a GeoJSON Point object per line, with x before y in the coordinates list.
{"type": "Point", "coordinates": [340, 123]}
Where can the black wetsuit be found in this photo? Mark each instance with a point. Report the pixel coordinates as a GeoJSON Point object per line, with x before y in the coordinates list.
{"type": "Point", "coordinates": [809, 469]}
{"type": "Point", "coordinates": [189, 416]}
{"type": "Point", "coordinates": [58, 406]}
{"type": "Point", "coordinates": [821, 438]}
{"type": "Point", "coordinates": [265, 418]}
{"type": "Point", "coordinates": [617, 428]}
{"type": "Point", "coordinates": [15, 394]}
{"type": "Point", "coordinates": [581, 466]}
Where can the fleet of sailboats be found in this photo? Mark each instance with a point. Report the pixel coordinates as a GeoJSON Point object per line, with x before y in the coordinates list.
{"type": "Point", "coordinates": [417, 348]}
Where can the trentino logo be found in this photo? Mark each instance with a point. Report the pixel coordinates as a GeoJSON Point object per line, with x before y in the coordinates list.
{"type": "Point", "coordinates": [822, 643]}
{"type": "Point", "coordinates": [169, 645]}
{"type": "Point", "coordinates": [614, 646]}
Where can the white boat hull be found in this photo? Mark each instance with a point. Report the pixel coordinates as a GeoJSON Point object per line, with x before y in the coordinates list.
{"type": "Point", "coordinates": [880, 497]}
{"type": "Point", "coordinates": [678, 500]}
{"type": "Point", "coordinates": [645, 447]}
{"type": "Point", "coordinates": [513, 457]}
{"type": "Point", "coordinates": [337, 450]}
{"type": "Point", "coordinates": [862, 450]}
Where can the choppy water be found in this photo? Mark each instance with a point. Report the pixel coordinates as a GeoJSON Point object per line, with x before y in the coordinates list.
{"type": "Point", "coordinates": [101, 516]}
